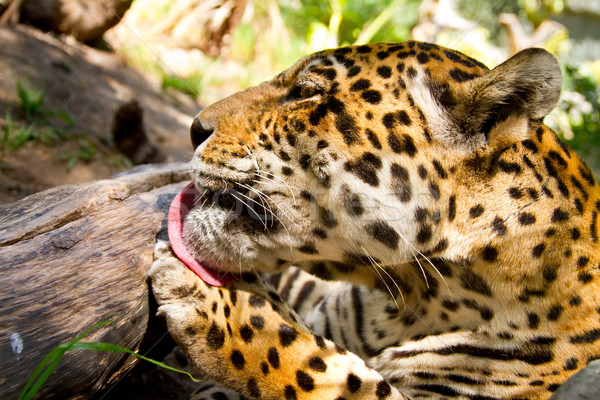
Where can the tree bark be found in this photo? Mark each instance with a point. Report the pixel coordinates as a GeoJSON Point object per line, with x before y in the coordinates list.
{"type": "Point", "coordinates": [73, 256]}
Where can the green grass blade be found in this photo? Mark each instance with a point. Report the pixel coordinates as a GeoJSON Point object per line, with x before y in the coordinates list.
{"type": "Point", "coordinates": [69, 120]}
{"type": "Point", "coordinates": [21, 136]}
{"type": "Point", "coordinates": [27, 391]}
{"type": "Point", "coordinates": [49, 363]}
{"type": "Point", "coordinates": [100, 346]}
{"type": "Point", "coordinates": [31, 99]}
{"type": "Point", "coordinates": [88, 330]}
{"type": "Point", "coordinates": [32, 391]}
{"type": "Point", "coordinates": [7, 128]}
{"type": "Point", "coordinates": [71, 163]}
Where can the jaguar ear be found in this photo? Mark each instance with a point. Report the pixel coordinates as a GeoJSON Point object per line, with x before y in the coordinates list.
{"type": "Point", "coordinates": [501, 103]}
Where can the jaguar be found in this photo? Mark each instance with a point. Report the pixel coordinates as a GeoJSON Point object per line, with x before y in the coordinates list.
{"type": "Point", "coordinates": [399, 223]}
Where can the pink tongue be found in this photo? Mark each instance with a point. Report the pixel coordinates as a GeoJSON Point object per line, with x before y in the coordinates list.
{"type": "Point", "coordinates": [182, 203]}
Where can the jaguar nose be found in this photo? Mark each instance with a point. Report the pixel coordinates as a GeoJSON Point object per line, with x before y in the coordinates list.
{"type": "Point", "coordinates": [198, 133]}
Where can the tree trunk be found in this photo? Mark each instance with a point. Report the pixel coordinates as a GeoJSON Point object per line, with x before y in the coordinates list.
{"type": "Point", "coordinates": [73, 256]}
{"type": "Point", "coordinates": [85, 20]}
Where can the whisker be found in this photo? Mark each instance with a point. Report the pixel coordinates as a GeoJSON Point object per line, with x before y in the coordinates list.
{"type": "Point", "coordinates": [240, 260]}
{"type": "Point", "coordinates": [437, 271]}
{"type": "Point", "coordinates": [254, 211]}
{"type": "Point", "coordinates": [270, 210]}
{"type": "Point", "coordinates": [248, 197]}
{"type": "Point", "coordinates": [375, 266]}
{"type": "Point", "coordinates": [268, 199]}
{"type": "Point", "coordinates": [264, 199]}
{"type": "Point", "coordinates": [278, 206]}
{"type": "Point", "coordinates": [197, 200]}
{"type": "Point", "coordinates": [391, 278]}
{"type": "Point", "coordinates": [249, 208]}
{"type": "Point", "coordinates": [276, 183]}
{"type": "Point", "coordinates": [264, 204]}
{"type": "Point", "coordinates": [406, 306]}
{"type": "Point", "coordinates": [202, 197]}
{"type": "Point", "coordinates": [413, 248]}
{"type": "Point", "coordinates": [282, 210]}
{"type": "Point", "coordinates": [421, 267]}
{"type": "Point", "coordinates": [247, 149]}
{"type": "Point", "coordinates": [278, 178]}
{"type": "Point", "coordinates": [290, 187]}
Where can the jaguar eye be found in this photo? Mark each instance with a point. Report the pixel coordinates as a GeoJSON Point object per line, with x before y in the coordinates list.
{"type": "Point", "coordinates": [307, 91]}
{"type": "Point", "coordinates": [302, 92]}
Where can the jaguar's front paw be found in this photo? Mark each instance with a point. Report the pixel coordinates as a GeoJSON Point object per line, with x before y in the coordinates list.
{"type": "Point", "coordinates": [182, 297]}
{"type": "Point", "coordinates": [196, 313]}
{"type": "Point", "coordinates": [172, 281]}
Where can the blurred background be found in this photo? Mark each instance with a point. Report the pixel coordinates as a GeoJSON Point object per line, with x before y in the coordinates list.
{"type": "Point", "coordinates": [214, 48]}
{"type": "Point", "coordinates": [88, 88]}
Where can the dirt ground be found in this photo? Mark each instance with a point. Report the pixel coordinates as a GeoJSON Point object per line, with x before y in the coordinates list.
{"type": "Point", "coordinates": [87, 85]}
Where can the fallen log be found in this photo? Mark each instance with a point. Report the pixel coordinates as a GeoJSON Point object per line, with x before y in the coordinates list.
{"type": "Point", "coordinates": [73, 256]}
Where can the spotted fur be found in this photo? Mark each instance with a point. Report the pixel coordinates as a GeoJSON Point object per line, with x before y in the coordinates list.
{"type": "Point", "coordinates": [446, 241]}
